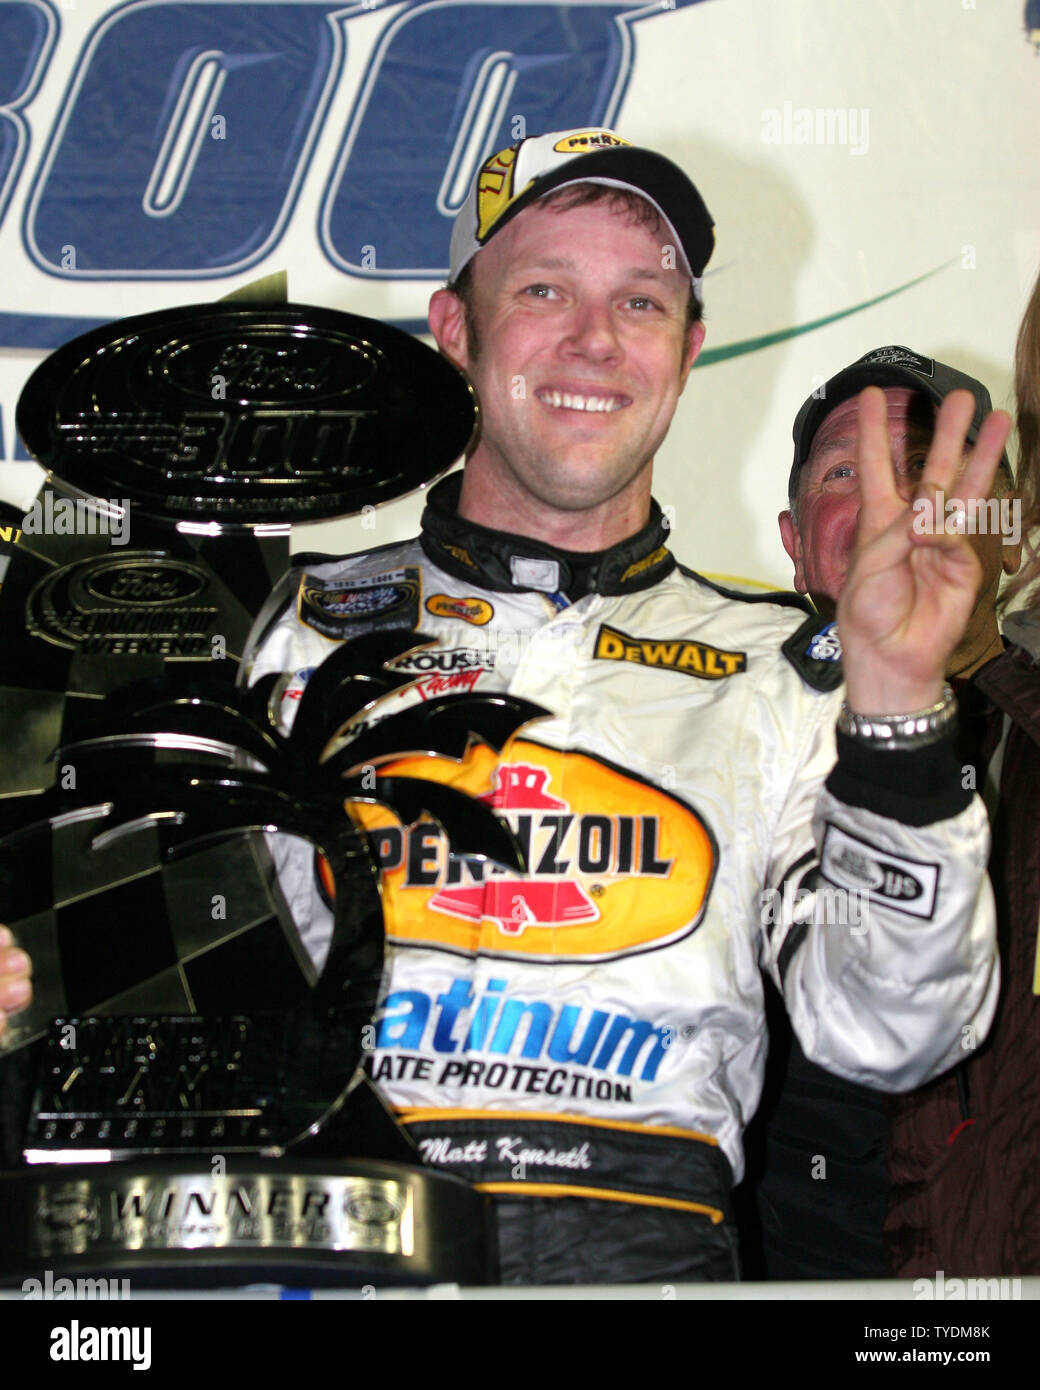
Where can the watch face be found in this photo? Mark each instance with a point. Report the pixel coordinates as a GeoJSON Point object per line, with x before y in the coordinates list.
{"type": "Point", "coordinates": [233, 416]}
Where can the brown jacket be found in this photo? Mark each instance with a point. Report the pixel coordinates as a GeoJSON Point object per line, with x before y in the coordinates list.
{"type": "Point", "coordinates": [964, 1151]}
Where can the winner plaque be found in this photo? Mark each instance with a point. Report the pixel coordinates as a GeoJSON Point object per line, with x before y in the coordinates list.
{"type": "Point", "coordinates": [199, 1109]}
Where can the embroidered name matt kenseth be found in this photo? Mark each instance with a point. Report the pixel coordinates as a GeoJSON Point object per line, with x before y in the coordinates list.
{"type": "Point", "coordinates": [693, 658]}
{"type": "Point", "coordinates": [616, 864]}
{"type": "Point", "coordinates": [340, 609]}
{"type": "Point", "coordinates": [908, 885]}
{"type": "Point", "coordinates": [507, 1151]}
{"type": "Point", "coordinates": [647, 1162]}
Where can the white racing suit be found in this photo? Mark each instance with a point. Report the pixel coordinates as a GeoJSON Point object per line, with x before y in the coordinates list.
{"type": "Point", "coordinates": [587, 1043]}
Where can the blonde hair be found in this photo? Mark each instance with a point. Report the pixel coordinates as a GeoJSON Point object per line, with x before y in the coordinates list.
{"type": "Point", "coordinates": [1027, 419]}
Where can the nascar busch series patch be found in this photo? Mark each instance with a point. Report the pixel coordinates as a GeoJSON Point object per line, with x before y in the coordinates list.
{"type": "Point", "coordinates": [692, 658]}
{"type": "Point", "coordinates": [616, 865]}
{"type": "Point", "coordinates": [339, 609]}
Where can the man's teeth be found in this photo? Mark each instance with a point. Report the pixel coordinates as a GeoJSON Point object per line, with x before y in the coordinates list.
{"type": "Point", "coordinates": [567, 400]}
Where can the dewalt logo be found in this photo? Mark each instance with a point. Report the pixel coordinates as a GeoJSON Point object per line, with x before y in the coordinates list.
{"type": "Point", "coordinates": [675, 654]}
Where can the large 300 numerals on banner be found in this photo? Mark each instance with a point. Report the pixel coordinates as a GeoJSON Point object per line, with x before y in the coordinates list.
{"type": "Point", "coordinates": [185, 135]}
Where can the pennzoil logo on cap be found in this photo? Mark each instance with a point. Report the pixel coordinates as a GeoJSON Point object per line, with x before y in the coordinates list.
{"type": "Point", "coordinates": [580, 141]}
{"type": "Point", "coordinates": [471, 610]}
{"type": "Point", "coordinates": [674, 654]}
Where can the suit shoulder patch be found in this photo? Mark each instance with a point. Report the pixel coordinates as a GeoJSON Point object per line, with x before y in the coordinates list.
{"type": "Point", "coordinates": [814, 650]}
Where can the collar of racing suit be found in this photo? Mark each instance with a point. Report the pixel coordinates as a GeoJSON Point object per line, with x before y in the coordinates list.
{"type": "Point", "coordinates": [501, 561]}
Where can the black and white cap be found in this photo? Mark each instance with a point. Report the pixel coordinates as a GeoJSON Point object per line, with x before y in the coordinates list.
{"type": "Point", "coordinates": [885, 366]}
{"type": "Point", "coordinates": [512, 179]}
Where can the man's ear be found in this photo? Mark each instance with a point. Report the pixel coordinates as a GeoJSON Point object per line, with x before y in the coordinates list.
{"type": "Point", "coordinates": [694, 343]}
{"type": "Point", "coordinates": [792, 540]}
{"type": "Point", "coordinates": [448, 326]}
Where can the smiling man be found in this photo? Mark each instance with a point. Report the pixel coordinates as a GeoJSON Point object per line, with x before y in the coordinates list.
{"type": "Point", "coordinates": [584, 347]}
{"type": "Point", "coordinates": [585, 1043]}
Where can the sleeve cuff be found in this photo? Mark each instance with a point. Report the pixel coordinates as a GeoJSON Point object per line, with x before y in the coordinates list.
{"type": "Point", "coordinates": [915, 787]}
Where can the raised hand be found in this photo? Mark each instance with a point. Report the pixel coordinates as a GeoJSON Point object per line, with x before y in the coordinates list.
{"type": "Point", "coordinates": [913, 580]}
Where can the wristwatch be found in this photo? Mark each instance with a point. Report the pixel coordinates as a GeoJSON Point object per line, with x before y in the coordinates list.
{"type": "Point", "coordinates": [898, 731]}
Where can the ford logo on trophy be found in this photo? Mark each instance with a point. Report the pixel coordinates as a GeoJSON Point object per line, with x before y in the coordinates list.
{"type": "Point", "coordinates": [197, 1107]}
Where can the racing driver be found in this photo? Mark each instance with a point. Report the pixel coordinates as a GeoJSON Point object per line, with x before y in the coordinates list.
{"type": "Point", "coordinates": [585, 1043]}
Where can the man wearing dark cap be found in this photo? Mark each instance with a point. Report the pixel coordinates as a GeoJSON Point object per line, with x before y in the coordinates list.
{"type": "Point", "coordinates": [963, 1153]}
{"type": "Point", "coordinates": [585, 1043]}
{"type": "Point", "coordinates": [819, 530]}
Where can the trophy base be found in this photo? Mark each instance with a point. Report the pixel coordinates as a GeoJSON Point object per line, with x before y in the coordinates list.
{"type": "Point", "coordinates": [300, 1223]}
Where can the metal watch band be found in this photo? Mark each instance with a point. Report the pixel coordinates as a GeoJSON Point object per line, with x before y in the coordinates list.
{"type": "Point", "coordinates": [901, 731]}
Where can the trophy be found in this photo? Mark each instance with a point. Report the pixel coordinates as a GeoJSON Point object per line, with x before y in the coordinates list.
{"type": "Point", "coordinates": [198, 1109]}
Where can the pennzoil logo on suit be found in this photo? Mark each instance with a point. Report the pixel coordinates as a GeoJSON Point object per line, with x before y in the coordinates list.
{"type": "Point", "coordinates": [467, 607]}
{"type": "Point", "coordinates": [616, 865]}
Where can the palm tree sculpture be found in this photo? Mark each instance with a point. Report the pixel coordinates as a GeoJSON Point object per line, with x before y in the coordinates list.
{"type": "Point", "coordinates": [308, 1030]}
